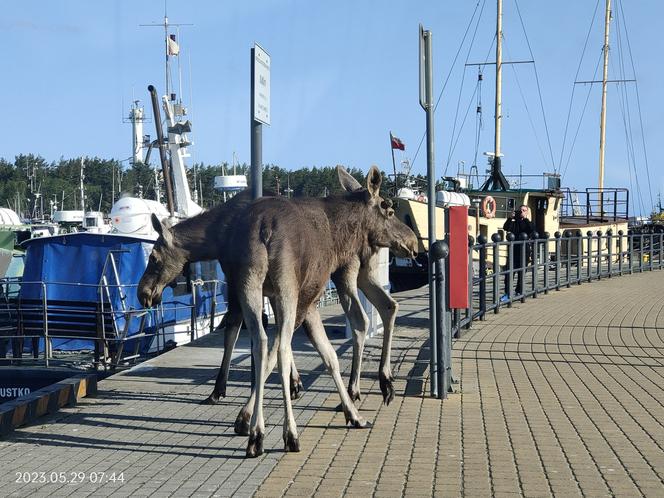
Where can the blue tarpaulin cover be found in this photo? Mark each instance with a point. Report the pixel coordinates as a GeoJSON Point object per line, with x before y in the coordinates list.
{"type": "Point", "coordinates": [71, 267]}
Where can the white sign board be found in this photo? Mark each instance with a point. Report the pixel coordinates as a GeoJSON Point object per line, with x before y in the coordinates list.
{"type": "Point", "coordinates": [261, 85]}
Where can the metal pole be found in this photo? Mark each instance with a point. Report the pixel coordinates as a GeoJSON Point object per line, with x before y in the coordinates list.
{"type": "Point", "coordinates": [439, 251]}
{"type": "Point", "coordinates": [426, 101]}
{"type": "Point", "coordinates": [394, 167]}
{"type": "Point", "coordinates": [256, 142]}
{"type": "Point", "coordinates": [162, 150]}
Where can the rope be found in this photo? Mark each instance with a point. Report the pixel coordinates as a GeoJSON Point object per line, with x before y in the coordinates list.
{"type": "Point", "coordinates": [419, 146]}
{"type": "Point", "coordinates": [539, 89]}
{"type": "Point", "coordinates": [576, 77]}
{"type": "Point", "coordinates": [638, 104]}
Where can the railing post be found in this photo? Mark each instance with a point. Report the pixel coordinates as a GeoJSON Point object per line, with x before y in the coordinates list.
{"type": "Point", "coordinates": [510, 268]}
{"type": "Point", "coordinates": [534, 250]}
{"type": "Point", "coordinates": [599, 254]}
{"type": "Point", "coordinates": [651, 251]}
{"type": "Point", "coordinates": [557, 249]}
{"type": "Point", "coordinates": [640, 253]}
{"type": "Point", "coordinates": [496, 238]}
{"type": "Point", "coordinates": [525, 250]}
{"type": "Point", "coordinates": [546, 236]}
{"type": "Point", "coordinates": [589, 254]}
{"type": "Point", "coordinates": [609, 247]}
{"type": "Point", "coordinates": [659, 250]}
{"type": "Point", "coordinates": [192, 317]}
{"type": "Point", "coordinates": [439, 251]}
{"type": "Point", "coordinates": [579, 256]}
{"type": "Point", "coordinates": [213, 306]}
{"type": "Point", "coordinates": [621, 253]}
{"type": "Point", "coordinates": [469, 310]}
{"type": "Point", "coordinates": [47, 343]}
{"type": "Point", "coordinates": [481, 240]}
{"type": "Point", "coordinates": [568, 235]}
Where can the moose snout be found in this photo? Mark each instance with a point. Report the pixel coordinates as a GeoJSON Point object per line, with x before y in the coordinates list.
{"type": "Point", "coordinates": [148, 297]}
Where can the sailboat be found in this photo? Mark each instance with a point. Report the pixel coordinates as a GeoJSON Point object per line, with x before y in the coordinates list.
{"type": "Point", "coordinates": [78, 290]}
{"type": "Point", "coordinates": [552, 207]}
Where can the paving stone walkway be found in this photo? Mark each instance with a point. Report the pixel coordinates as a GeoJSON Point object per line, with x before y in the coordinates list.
{"type": "Point", "coordinates": [562, 395]}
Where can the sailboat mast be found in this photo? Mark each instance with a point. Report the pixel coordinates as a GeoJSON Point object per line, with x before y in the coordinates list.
{"type": "Point", "coordinates": [499, 77]}
{"type": "Point", "coordinates": [605, 77]}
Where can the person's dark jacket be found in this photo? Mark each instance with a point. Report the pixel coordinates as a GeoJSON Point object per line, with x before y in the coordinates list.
{"type": "Point", "coordinates": [518, 226]}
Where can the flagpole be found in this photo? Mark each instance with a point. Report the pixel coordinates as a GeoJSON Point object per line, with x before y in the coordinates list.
{"type": "Point", "coordinates": [394, 167]}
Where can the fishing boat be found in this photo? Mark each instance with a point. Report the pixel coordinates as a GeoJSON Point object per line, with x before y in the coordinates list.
{"type": "Point", "coordinates": [78, 290]}
{"type": "Point", "coordinates": [492, 198]}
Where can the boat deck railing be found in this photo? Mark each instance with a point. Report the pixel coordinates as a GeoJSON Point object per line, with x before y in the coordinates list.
{"type": "Point", "coordinates": [595, 205]}
{"type": "Point", "coordinates": [41, 330]}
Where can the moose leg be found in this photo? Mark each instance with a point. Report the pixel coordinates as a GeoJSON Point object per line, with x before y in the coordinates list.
{"type": "Point", "coordinates": [387, 308]}
{"type": "Point", "coordinates": [296, 386]}
{"type": "Point", "coordinates": [285, 324]}
{"type": "Point", "coordinates": [346, 283]}
{"type": "Point", "coordinates": [252, 312]}
{"type": "Point", "coordinates": [242, 421]}
{"type": "Point", "coordinates": [316, 332]}
{"type": "Point", "coordinates": [232, 323]}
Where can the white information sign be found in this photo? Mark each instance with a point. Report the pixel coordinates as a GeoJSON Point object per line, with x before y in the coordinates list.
{"type": "Point", "coordinates": [261, 85]}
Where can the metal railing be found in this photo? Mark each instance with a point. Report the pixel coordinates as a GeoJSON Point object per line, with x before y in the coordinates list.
{"type": "Point", "coordinates": [592, 204]}
{"type": "Point", "coordinates": [543, 264]}
{"type": "Point", "coordinates": [104, 330]}
{"type": "Point", "coordinates": [503, 271]}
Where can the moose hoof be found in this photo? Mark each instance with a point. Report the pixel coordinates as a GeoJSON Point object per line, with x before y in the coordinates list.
{"type": "Point", "coordinates": [386, 388]}
{"type": "Point", "coordinates": [255, 446]}
{"type": "Point", "coordinates": [213, 399]}
{"type": "Point", "coordinates": [291, 443]}
{"type": "Point", "coordinates": [358, 423]}
{"type": "Point", "coordinates": [241, 426]}
{"type": "Point", "coordinates": [296, 388]}
{"type": "Point", "coordinates": [354, 395]}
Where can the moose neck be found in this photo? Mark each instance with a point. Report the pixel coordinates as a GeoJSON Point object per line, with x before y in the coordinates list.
{"type": "Point", "coordinates": [190, 236]}
{"type": "Point", "coordinates": [348, 230]}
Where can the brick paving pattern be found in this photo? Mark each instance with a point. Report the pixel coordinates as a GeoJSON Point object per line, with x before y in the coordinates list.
{"type": "Point", "coordinates": [559, 396]}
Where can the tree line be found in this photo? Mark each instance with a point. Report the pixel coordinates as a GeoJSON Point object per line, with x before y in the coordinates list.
{"type": "Point", "coordinates": [34, 187]}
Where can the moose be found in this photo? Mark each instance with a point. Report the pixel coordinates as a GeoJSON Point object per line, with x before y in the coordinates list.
{"type": "Point", "coordinates": [286, 249]}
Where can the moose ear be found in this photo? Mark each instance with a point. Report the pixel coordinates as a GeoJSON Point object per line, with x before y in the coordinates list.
{"type": "Point", "coordinates": [156, 224]}
{"type": "Point", "coordinates": [347, 181]}
{"type": "Point", "coordinates": [162, 230]}
{"type": "Point", "coordinates": [374, 180]}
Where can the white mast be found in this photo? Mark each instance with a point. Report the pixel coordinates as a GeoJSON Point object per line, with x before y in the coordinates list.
{"type": "Point", "coordinates": [605, 76]}
{"type": "Point", "coordinates": [499, 78]}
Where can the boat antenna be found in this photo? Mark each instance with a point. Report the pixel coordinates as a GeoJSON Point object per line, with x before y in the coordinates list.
{"type": "Point", "coordinates": [171, 47]}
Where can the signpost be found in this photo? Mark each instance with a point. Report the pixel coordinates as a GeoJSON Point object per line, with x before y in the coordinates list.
{"type": "Point", "coordinates": [260, 114]}
{"type": "Point", "coordinates": [426, 101]}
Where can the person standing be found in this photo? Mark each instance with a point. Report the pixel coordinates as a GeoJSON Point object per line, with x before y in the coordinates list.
{"type": "Point", "coordinates": [517, 224]}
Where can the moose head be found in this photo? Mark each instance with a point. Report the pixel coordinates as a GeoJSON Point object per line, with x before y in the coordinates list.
{"type": "Point", "coordinates": [384, 229]}
{"type": "Point", "coordinates": [167, 260]}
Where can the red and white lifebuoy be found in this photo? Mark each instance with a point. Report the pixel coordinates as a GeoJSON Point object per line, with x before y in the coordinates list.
{"type": "Point", "coordinates": [489, 207]}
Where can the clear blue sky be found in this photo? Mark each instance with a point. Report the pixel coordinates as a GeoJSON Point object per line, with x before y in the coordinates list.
{"type": "Point", "coordinates": [344, 74]}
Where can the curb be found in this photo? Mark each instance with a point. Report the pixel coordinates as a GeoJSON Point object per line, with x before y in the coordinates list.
{"type": "Point", "coordinates": [47, 400]}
